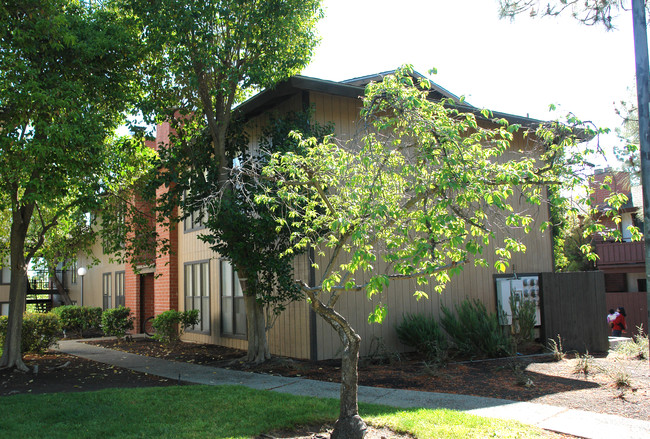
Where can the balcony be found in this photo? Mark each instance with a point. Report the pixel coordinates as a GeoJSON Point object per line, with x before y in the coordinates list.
{"type": "Point", "coordinates": [620, 256]}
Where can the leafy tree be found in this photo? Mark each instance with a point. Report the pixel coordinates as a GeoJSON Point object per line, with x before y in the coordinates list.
{"type": "Point", "coordinates": [628, 132]}
{"type": "Point", "coordinates": [418, 197]}
{"type": "Point", "coordinates": [570, 242]}
{"type": "Point", "coordinates": [206, 56]}
{"type": "Point", "coordinates": [67, 73]}
{"type": "Point", "coordinates": [590, 12]}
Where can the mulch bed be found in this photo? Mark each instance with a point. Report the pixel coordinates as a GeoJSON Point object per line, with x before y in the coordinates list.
{"type": "Point", "coordinates": [58, 372]}
{"type": "Point", "coordinates": [534, 378]}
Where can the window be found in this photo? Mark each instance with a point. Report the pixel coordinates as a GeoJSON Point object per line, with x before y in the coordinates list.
{"type": "Point", "coordinates": [233, 308]}
{"type": "Point", "coordinates": [119, 288]}
{"type": "Point", "coordinates": [73, 272]}
{"type": "Point", "coordinates": [106, 290]}
{"type": "Point", "coordinates": [4, 309]}
{"type": "Point", "coordinates": [194, 220]}
{"type": "Point", "coordinates": [5, 276]}
{"type": "Point", "coordinates": [197, 293]}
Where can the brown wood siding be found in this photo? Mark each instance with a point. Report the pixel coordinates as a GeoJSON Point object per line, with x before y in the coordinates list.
{"type": "Point", "coordinates": [472, 282]}
{"type": "Point", "coordinates": [615, 282]}
{"type": "Point", "coordinates": [574, 307]}
{"type": "Point", "coordinates": [636, 308]}
{"type": "Point", "coordinates": [290, 334]}
{"type": "Point", "coordinates": [616, 253]}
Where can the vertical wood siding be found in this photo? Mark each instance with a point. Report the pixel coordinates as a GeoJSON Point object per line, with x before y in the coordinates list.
{"type": "Point", "coordinates": [92, 281]}
{"type": "Point", "coordinates": [573, 306]}
{"type": "Point", "coordinates": [636, 308]}
{"type": "Point", "coordinates": [472, 282]}
{"type": "Point", "coordinates": [290, 334]}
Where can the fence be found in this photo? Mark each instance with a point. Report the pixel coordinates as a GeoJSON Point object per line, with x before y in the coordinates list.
{"type": "Point", "coordinates": [573, 306]}
{"type": "Point", "coordinates": [636, 307]}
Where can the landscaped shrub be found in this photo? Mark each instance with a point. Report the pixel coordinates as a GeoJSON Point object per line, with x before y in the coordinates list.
{"type": "Point", "coordinates": [169, 325]}
{"type": "Point", "coordinates": [423, 334]}
{"type": "Point", "coordinates": [40, 331]}
{"type": "Point", "coordinates": [117, 321]}
{"type": "Point", "coordinates": [474, 331]}
{"type": "Point", "coordinates": [79, 319]}
{"type": "Point", "coordinates": [524, 314]}
{"type": "Point", "coordinates": [636, 347]}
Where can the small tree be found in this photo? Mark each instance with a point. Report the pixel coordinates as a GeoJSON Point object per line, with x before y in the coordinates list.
{"type": "Point", "coordinates": [419, 196]}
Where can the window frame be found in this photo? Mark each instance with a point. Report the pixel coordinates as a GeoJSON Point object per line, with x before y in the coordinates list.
{"type": "Point", "coordinates": [195, 220]}
{"type": "Point", "coordinates": [2, 276]}
{"type": "Point", "coordinates": [203, 301]}
{"type": "Point", "coordinates": [73, 273]}
{"type": "Point", "coordinates": [107, 283]}
{"type": "Point", "coordinates": [120, 299]}
{"type": "Point", "coordinates": [228, 303]}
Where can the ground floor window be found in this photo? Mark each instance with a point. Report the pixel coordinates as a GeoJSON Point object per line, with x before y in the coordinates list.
{"type": "Point", "coordinates": [106, 290]}
{"type": "Point", "coordinates": [197, 293]}
{"type": "Point", "coordinates": [233, 309]}
{"type": "Point", "coordinates": [119, 288]}
{"type": "Point", "coordinates": [4, 309]}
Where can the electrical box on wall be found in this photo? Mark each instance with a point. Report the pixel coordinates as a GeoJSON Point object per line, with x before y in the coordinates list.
{"type": "Point", "coordinates": [523, 288]}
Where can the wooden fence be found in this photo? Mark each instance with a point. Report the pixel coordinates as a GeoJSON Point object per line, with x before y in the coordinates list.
{"type": "Point", "coordinates": [636, 307]}
{"type": "Point", "coordinates": [573, 306]}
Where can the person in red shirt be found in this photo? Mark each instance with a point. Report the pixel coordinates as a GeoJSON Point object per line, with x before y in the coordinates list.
{"type": "Point", "coordinates": [618, 325]}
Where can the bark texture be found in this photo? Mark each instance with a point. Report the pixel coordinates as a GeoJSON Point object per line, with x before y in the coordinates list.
{"type": "Point", "coordinates": [12, 351]}
{"type": "Point", "coordinates": [258, 344]}
{"type": "Point", "coordinates": [349, 424]}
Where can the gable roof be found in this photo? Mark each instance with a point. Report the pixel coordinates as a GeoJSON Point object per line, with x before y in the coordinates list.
{"type": "Point", "coordinates": [354, 88]}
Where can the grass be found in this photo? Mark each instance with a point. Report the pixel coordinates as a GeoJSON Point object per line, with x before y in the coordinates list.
{"type": "Point", "coordinates": [637, 347]}
{"type": "Point", "coordinates": [218, 412]}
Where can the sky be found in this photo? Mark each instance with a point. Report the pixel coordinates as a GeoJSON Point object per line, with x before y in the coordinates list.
{"type": "Point", "coordinates": [518, 67]}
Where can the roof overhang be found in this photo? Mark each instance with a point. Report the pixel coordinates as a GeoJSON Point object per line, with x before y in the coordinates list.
{"type": "Point", "coordinates": [354, 88]}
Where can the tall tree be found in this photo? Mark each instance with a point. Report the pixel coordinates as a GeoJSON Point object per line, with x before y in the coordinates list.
{"type": "Point", "coordinates": [421, 194]}
{"type": "Point", "coordinates": [67, 74]}
{"type": "Point", "coordinates": [589, 12]}
{"type": "Point", "coordinates": [210, 55]}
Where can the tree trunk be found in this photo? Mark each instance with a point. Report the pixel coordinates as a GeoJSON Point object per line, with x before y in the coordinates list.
{"type": "Point", "coordinates": [258, 344]}
{"type": "Point", "coordinates": [349, 425]}
{"type": "Point", "coordinates": [12, 352]}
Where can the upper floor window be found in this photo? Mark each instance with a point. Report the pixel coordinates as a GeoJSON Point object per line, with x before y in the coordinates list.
{"type": "Point", "coordinates": [194, 219]}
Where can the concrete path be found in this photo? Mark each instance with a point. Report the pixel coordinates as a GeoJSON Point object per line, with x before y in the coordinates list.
{"type": "Point", "coordinates": [575, 422]}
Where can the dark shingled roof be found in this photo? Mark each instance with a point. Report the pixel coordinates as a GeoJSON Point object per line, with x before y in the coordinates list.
{"type": "Point", "coordinates": [354, 88]}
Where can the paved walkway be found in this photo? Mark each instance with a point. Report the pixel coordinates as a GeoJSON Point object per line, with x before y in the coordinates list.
{"type": "Point", "coordinates": [576, 422]}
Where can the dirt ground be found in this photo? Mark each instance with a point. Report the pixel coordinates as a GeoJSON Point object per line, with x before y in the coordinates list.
{"type": "Point", "coordinates": [533, 378]}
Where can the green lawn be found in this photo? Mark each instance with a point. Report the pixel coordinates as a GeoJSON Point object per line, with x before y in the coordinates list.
{"type": "Point", "coordinates": [216, 412]}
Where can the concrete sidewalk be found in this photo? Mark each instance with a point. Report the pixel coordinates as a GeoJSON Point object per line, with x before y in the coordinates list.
{"type": "Point", "coordinates": [575, 422]}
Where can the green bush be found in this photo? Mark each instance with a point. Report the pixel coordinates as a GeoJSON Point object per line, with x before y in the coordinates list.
{"type": "Point", "coordinates": [169, 325]}
{"type": "Point", "coordinates": [524, 314]}
{"type": "Point", "coordinates": [40, 331]}
{"type": "Point", "coordinates": [475, 331]}
{"type": "Point", "coordinates": [422, 333]}
{"type": "Point", "coordinates": [117, 321]}
{"type": "Point", "coordinates": [79, 319]}
{"type": "Point", "coordinates": [636, 347]}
